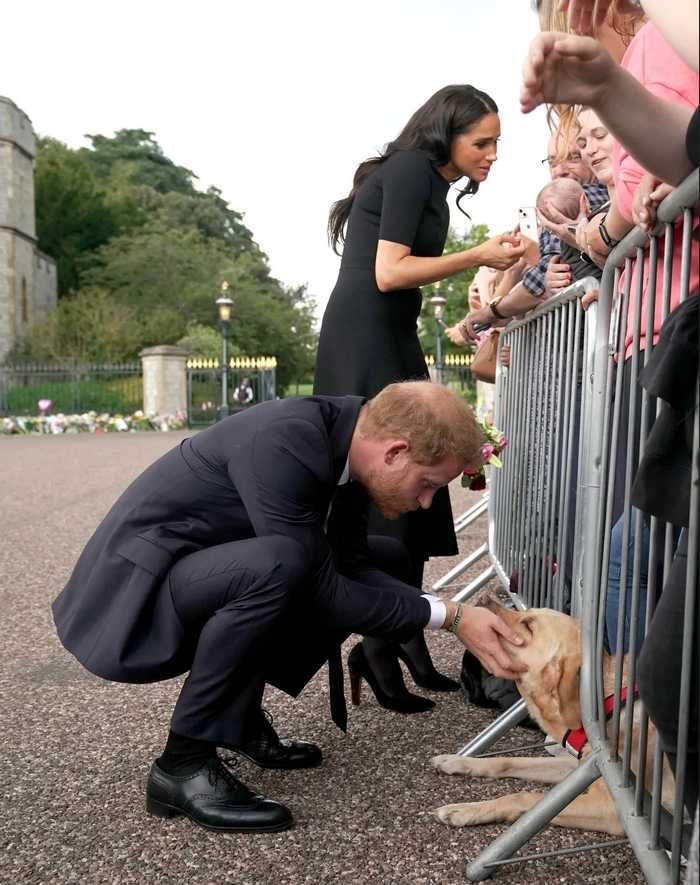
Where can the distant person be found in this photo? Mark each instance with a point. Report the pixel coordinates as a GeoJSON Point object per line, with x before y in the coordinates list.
{"type": "Point", "coordinates": [394, 225]}
{"type": "Point", "coordinates": [243, 393]}
{"type": "Point", "coordinates": [242, 557]}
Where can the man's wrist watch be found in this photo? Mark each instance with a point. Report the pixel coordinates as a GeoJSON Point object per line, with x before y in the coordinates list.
{"type": "Point", "coordinates": [493, 307]}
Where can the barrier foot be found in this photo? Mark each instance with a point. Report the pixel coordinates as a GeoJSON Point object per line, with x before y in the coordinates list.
{"type": "Point", "coordinates": [476, 585]}
{"type": "Point", "coordinates": [462, 566]}
{"type": "Point", "coordinates": [466, 519]}
{"type": "Point", "coordinates": [488, 737]}
{"type": "Point", "coordinates": [534, 820]}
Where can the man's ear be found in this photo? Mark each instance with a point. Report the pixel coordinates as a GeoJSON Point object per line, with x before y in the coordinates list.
{"type": "Point", "coordinates": [393, 449]}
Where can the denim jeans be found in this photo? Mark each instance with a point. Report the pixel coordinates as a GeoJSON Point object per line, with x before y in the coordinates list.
{"type": "Point", "coordinates": [614, 575]}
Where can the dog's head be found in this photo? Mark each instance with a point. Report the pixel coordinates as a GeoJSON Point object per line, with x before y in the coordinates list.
{"type": "Point", "coordinates": [552, 651]}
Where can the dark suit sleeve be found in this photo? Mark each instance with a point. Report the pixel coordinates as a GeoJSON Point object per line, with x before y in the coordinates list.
{"type": "Point", "coordinates": [284, 485]}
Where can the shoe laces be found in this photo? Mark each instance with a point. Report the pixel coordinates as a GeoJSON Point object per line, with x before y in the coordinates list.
{"type": "Point", "coordinates": [268, 735]}
{"type": "Point", "coordinates": [223, 771]}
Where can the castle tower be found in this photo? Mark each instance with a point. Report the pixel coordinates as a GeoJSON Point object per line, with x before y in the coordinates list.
{"type": "Point", "coordinates": [28, 282]}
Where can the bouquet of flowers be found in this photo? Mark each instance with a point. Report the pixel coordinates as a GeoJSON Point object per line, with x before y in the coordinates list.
{"type": "Point", "coordinates": [474, 478]}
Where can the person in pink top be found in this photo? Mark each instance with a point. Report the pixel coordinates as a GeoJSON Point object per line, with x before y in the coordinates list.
{"type": "Point", "coordinates": [652, 61]}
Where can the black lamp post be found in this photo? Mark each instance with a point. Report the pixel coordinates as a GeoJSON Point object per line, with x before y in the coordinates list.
{"type": "Point", "coordinates": [438, 303]}
{"type": "Point", "coordinates": [224, 304]}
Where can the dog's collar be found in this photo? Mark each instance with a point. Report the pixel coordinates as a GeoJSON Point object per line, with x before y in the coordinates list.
{"type": "Point", "coordinates": [576, 739]}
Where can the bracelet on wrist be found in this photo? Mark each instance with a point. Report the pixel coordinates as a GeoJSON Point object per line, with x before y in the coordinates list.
{"type": "Point", "coordinates": [452, 626]}
{"type": "Point", "coordinates": [605, 236]}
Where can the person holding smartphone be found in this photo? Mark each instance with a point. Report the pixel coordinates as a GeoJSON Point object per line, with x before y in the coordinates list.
{"type": "Point", "coordinates": [393, 225]}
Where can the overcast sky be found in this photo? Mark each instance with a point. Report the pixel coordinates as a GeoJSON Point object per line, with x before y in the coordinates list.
{"type": "Point", "coordinates": [276, 102]}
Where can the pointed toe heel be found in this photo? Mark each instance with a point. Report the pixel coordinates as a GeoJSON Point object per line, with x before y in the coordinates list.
{"type": "Point", "coordinates": [400, 701]}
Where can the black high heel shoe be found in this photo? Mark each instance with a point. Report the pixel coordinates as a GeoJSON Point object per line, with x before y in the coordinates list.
{"type": "Point", "coordinates": [432, 680]}
{"type": "Point", "coordinates": [401, 701]}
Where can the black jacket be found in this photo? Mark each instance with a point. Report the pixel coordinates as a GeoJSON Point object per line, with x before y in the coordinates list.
{"type": "Point", "coordinates": [272, 469]}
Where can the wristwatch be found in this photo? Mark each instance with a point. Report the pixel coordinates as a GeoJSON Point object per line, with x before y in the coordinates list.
{"type": "Point", "coordinates": [493, 307]}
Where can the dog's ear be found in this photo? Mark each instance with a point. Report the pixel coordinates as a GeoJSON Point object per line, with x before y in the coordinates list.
{"type": "Point", "coordinates": [568, 691]}
{"type": "Point", "coordinates": [559, 699]}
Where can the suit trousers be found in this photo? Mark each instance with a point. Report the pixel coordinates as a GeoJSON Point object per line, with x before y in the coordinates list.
{"type": "Point", "coordinates": [236, 602]}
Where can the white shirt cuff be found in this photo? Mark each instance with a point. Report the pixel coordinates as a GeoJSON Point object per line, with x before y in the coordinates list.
{"type": "Point", "coordinates": [438, 612]}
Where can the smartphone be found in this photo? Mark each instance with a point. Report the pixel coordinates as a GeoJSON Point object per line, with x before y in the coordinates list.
{"type": "Point", "coordinates": [527, 219]}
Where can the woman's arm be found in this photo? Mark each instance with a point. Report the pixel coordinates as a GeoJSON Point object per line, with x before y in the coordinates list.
{"type": "Point", "coordinates": [396, 268]}
{"type": "Point", "coordinates": [578, 70]}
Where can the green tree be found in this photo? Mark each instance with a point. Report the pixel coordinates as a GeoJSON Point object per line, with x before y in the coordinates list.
{"type": "Point", "coordinates": [455, 290]}
{"type": "Point", "coordinates": [158, 250]}
{"type": "Point", "coordinates": [73, 216]}
{"type": "Point", "coordinates": [140, 154]}
{"type": "Point", "coordinates": [88, 327]}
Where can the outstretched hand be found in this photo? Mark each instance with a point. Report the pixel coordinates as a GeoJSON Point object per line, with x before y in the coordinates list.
{"type": "Point", "coordinates": [564, 69]}
{"type": "Point", "coordinates": [480, 631]}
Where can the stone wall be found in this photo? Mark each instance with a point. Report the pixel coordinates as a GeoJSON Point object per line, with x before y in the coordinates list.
{"type": "Point", "coordinates": [28, 284]}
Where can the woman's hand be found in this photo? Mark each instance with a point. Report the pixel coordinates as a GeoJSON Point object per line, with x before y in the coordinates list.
{"type": "Point", "coordinates": [557, 277]}
{"type": "Point", "coordinates": [650, 192]}
{"type": "Point", "coordinates": [505, 356]}
{"type": "Point", "coordinates": [563, 69]}
{"type": "Point", "coordinates": [588, 238]}
{"type": "Point", "coordinates": [454, 333]}
{"type": "Point", "coordinates": [588, 298]}
{"type": "Point", "coordinates": [500, 252]}
{"type": "Point", "coordinates": [482, 316]}
{"type": "Point", "coordinates": [559, 224]}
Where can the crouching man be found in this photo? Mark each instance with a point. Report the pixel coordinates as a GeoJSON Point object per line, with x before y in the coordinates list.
{"type": "Point", "coordinates": [242, 557]}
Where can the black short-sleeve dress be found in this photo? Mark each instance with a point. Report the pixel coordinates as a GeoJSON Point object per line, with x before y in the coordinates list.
{"type": "Point", "coordinates": [369, 338]}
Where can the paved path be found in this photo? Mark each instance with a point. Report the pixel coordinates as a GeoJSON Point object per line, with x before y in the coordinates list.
{"type": "Point", "coordinates": [75, 750]}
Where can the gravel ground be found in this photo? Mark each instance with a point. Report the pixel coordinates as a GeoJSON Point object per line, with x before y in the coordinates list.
{"type": "Point", "coordinates": [76, 749]}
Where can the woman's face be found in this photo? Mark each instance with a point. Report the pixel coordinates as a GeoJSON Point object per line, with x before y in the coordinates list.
{"type": "Point", "coordinates": [472, 153]}
{"type": "Point", "coordinates": [596, 146]}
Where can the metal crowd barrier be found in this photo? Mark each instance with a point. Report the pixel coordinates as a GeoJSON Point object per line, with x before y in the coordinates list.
{"type": "Point", "coordinates": [532, 500]}
{"type": "Point", "coordinates": [658, 835]}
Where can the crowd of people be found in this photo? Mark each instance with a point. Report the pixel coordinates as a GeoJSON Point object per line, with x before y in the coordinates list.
{"type": "Point", "coordinates": [295, 523]}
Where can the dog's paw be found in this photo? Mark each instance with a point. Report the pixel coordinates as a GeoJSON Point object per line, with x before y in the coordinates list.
{"type": "Point", "coordinates": [462, 814]}
{"type": "Point", "coordinates": [450, 763]}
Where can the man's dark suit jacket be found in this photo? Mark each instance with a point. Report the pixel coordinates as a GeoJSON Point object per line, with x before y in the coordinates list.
{"type": "Point", "coordinates": [270, 470]}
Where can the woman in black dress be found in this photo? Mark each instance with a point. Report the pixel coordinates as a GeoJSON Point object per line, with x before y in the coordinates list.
{"type": "Point", "coordinates": [393, 225]}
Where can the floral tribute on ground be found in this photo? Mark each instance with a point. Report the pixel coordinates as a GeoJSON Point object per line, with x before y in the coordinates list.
{"type": "Point", "coordinates": [91, 422]}
{"type": "Point", "coordinates": [474, 478]}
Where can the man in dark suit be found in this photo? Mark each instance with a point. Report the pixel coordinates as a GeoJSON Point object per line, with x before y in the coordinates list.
{"type": "Point", "coordinates": [242, 557]}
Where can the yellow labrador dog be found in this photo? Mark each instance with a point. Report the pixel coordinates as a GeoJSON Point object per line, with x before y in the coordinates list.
{"type": "Point", "coordinates": [550, 687]}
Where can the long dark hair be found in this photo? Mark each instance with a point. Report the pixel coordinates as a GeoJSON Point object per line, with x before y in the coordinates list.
{"type": "Point", "coordinates": [432, 129]}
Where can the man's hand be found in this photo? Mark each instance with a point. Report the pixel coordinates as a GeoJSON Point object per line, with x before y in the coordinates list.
{"type": "Point", "coordinates": [557, 277]}
{"type": "Point", "coordinates": [564, 69]}
{"type": "Point", "coordinates": [480, 630]}
{"type": "Point", "coordinates": [500, 252]}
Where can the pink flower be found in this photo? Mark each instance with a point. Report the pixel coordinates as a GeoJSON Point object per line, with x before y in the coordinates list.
{"type": "Point", "coordinates": [44, 405]}
{"type": "Point", "coordinates": [486, 451]}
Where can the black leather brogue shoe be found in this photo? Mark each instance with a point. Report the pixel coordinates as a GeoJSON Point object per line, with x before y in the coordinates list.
{"type": "Point", "coordinates": [213, 798]}
{"type": "Point", "coordinates": [269, 751]}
